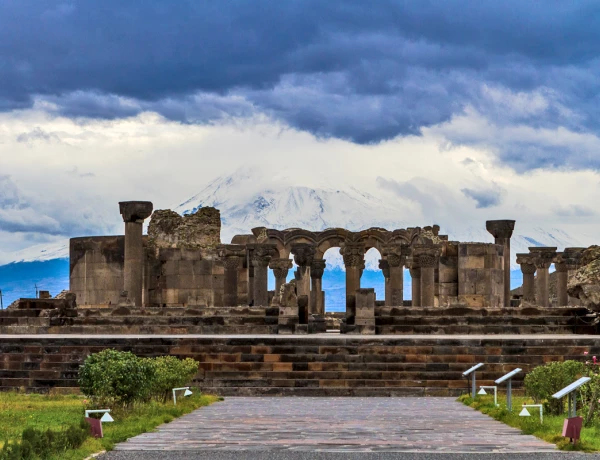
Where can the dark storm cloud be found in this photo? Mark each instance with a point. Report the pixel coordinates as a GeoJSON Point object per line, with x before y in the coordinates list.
{"type": "Point", "coordinates": [346, 69]}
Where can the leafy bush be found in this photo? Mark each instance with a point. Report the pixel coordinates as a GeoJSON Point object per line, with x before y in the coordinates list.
{"type": "Point", "coordinates": [122, 378]}
{"type": "Point", "coordinates": [590, 392]}
{"type": "Point", "coordinates": [116, 377]}
{"type": "Point", "coordinates": [543, 381]}
{"type": "Point", "coordinates": [169, 373]}
{"type": "Point", "coordinates": [38, 444]}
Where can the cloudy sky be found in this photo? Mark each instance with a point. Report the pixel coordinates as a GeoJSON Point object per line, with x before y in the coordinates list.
{"type": "Point", "coordinates": [468, 109]}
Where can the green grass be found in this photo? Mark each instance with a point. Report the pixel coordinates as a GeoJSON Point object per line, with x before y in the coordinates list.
{"type": "Point", "coordinates": [18, 411]}
{"type": "Point", "coordinates": [549, 431]}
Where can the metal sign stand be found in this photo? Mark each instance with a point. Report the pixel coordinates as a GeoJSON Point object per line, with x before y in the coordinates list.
{"type": "Point", "coordinates": [473, 380]}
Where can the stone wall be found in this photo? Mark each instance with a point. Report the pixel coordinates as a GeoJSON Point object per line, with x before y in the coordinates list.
{"type": "Point", "coordinates": [308, 365]}
{"type": "Point", "coordinates": [96, 269]}
{"type": "Point", "coordinates": [481, 274]}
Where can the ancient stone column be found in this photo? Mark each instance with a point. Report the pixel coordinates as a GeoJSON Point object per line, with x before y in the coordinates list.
{"type": "Point", "coordinates": [428, 257]}
{"type": "Point", "coordinates": [384, 266]}
{"type": "Point", "coordinates": [502, 231]}
{"type": "Point", "coordinates": [134, 213]}
{"type": "Point", "coordinates": [527, 263]}
{"type": "Point", "coordinates": [354, 261]}
{"type": "Point", "coordinates": [249, 253]}
{"type": "Point", "coordinates": [543, 259]}
{"type": "Point", "coordinates": [232, 256]}
{"type": "Point", "coordinates": [280, 269]}
{"type": "Point", "coordinates": [562, 278]}
{"type": "Point", "coordinates": [572, 257]}
{"type": "Point", "coordinates": [317, 296]}
{"type": "Point", "coordinates": [415, 274]}
{"type": "Point", "coordinates": [396, 261]}
{"type": "Point", "coordinates": [304, 254]}
{"type": "Point", "coordinates": [261, 256]}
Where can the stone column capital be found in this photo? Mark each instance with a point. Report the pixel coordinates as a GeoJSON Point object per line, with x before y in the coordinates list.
{"type": "Point", "coordinates": [135, 211]}
{"type": "Point", "coordinates": [500, 228]}
{"type": "Point", "coordinates": [353, 254]}
{"type": "Point", "coordinates": [384, 266]}
{"type": "Point", "coordinates": [304, 253]}
{"type": "Point", "coordinates": [426, 255]}
{"type": "Point", "coordinates": [544, 256]}
{"type": "Point", "coordinates": [317, 268]}
{"type": "Point", "coordinates": [231, 251]}
{"type": "Point", "coordinates": [280, 267]}
{"type": "Point", "coordinates": [527, 263]}
{"type": "Point", "coordinates": [280, 264]}
{"type": "Point", "coordinates": [262, 253]}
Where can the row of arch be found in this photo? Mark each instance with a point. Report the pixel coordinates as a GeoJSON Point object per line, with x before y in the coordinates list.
{"type": "Point", "coordinates": [374, 237]}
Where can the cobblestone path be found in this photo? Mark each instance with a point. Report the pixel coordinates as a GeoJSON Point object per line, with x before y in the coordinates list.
{"type": "Point", "coordinates": [336, 425]}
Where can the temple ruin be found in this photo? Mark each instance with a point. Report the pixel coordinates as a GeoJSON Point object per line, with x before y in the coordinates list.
{"type": "Point", "coordinates": [182, 263]}
{"type": "Point", "coordinates": [180, 290]}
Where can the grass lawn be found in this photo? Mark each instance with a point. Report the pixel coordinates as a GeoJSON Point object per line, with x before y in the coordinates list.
{"type": "Point", "coordinates": [550, 430]}
{"type": "Point", "coordinates": [18, 411]}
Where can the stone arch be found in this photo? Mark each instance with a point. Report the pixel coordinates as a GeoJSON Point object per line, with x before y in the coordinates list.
{"type": "Point", "coordinates": [330, 238]}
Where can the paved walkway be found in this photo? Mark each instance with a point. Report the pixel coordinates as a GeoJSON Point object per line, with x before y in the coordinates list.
{"type": "Point", "coordinates": [344, 425]}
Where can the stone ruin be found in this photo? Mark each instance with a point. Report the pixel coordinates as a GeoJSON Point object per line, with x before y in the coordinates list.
{"type": "Point", "coordinates": [181, 278]}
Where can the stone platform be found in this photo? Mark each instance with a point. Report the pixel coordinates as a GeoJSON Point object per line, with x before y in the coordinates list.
{"type": "Point", "coordinates": [264, 320]}
{"type": "Point", "coordinates": [310, 365]}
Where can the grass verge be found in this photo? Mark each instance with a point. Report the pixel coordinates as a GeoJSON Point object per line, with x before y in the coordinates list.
{"type": "Point", "coordinates": [549, 431]}
{"type": "Point", "coordinates": [18, 411]}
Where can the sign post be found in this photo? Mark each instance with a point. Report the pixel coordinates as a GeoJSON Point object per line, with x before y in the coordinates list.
{"type": "Point", "coordinates": [473, 380]}
{"type": "Point", "coordinates": [573, 424]}
{"type": "Point", "coordinates": [508, 377]}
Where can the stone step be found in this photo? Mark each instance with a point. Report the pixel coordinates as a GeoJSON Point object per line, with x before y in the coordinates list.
{"type": "Point", "coordinates": [180, 311]}
{"type": "Point", "coordinates": [474, 320]}
{"type": "Point", "coordinates": [478, 329]}
{"type": "Point", "coordinates": [466, 311]}
{"type": "Point", "coordinates": [333, 391]}
{"type": "Point", "coordinates": [174, 320]}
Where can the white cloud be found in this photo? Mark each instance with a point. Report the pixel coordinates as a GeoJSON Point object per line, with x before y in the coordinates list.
{"type": "Point", "coordinates": [73, 181]}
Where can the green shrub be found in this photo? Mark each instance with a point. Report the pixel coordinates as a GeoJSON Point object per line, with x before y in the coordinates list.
{"type": "Point", "coordinates": [38, 444]}
{"type": "Point", "coordinates": [543, 381]}
{"type": "Point", "coordinates": [171, 372]}
{"type": "Point", "coordinates": [116, 377]}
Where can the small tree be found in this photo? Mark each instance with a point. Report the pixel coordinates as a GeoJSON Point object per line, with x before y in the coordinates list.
{"type": "Point", "coordinates": [116, 376]}
{"type": "Point", "coordinates": [169, 373]}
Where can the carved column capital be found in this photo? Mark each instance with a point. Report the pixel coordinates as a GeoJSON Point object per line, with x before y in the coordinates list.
{"type": "Point", "coordinates": [384, 266]}
{"type": "Point", "coordinates": [304, 253]}
{"type": "Point", "coordinates": [262, 254]}
{"type": "Point", "coordinates": [544, 256]}
{"type": "Point", "coordinates": [500, 228]}
{"type": "Point", "coordinates": [353, 254]}
{"type": "Point", "coordinates": [317, 268]}
{"type": "Point", "coordinates": [231, 251]}
{"type": "Point", "coordinates": [527, 263]}
{"type": "Point", "coordinates": [280, 267]}
{"type": "Point", "coordinates": [427, 255]}
{"type": "Point", "coordinates": [135, 211]}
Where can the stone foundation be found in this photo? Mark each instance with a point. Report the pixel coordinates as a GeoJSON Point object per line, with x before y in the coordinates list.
{"type": "Point", "coordinates": [318, 365]}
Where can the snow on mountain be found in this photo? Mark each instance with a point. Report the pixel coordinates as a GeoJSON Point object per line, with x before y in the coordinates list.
{"type": "Point", "coordinates": [38, 253]}
{"type": "Point", "coordinates": [245, 203]}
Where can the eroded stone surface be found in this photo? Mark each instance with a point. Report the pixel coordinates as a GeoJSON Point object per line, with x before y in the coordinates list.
{"type": "Point", "coordinates": [201, 230]}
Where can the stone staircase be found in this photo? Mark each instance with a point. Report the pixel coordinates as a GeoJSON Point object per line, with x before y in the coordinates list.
{"type": "Point", "coordinates": [309, 365]}
{"type": "Point", "coordinates": [126, 320]}
{"type": "Point", "coordinates": [465, 320]}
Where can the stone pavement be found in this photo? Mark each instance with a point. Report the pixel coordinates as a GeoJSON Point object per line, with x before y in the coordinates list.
{"type": "Point", "coordinates": [343, 425]}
